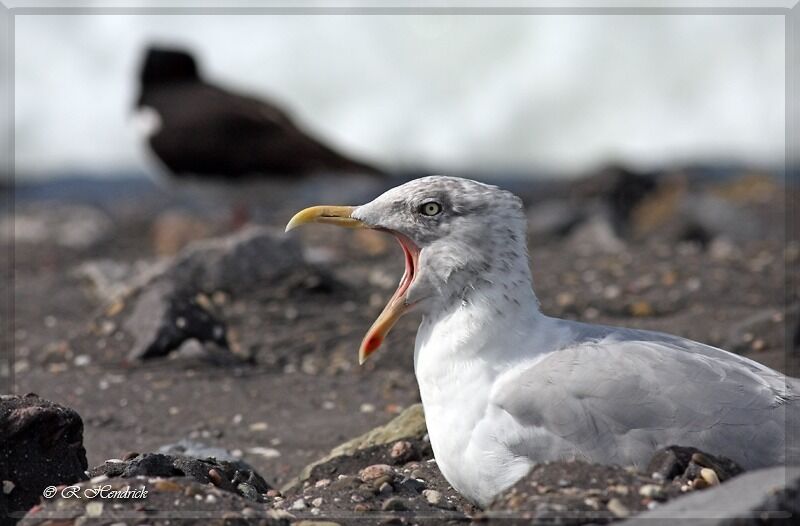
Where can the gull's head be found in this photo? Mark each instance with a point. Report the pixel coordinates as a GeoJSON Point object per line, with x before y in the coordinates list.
{"type": "Point", "coordinates": [457, 236]}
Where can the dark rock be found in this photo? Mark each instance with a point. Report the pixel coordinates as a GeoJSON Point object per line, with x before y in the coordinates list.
{"type": "Point", "coordinates": [42, 445]}
{"type": "Point", "coordinates": [221, 473]}
{"type": "Point", "coordinates": [162, 319]}
{"type": "Point", "coordinates": [685, 463]}
{"type": "Point", "coordinates": [253, 257]}
{"type": "Point", "coordinates": [193, 502]}
{"type": "Point", "coordinates": [766, 496]}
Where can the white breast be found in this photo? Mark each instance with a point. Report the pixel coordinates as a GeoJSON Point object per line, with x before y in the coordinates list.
{"type": "Point", "coordinates": [458, 362]}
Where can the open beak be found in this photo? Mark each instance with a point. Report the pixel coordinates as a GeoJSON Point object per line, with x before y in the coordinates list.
{"type": "Point", "coordinates": [397, 306]}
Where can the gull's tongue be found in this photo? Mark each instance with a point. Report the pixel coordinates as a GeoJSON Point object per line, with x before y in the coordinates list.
{"type": "Point", "coordinates": [396, 306]}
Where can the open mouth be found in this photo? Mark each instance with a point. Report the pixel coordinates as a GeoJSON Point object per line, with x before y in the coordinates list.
{"type": "Point", "coordinates": [398, 304]}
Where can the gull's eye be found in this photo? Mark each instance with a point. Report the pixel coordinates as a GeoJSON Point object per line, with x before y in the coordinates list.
{"type": "Point", "coordinates": [431, 208]}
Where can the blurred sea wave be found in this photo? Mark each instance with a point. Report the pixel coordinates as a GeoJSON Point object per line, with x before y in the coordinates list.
{"type": "Point", "coordinates": [498, 95]}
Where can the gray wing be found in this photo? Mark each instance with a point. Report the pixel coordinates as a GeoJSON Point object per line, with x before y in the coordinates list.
{"type": "Point", "coordinates": [619, 398]}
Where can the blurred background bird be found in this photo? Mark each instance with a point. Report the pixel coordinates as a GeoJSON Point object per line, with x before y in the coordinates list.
{"type": "Point", "coordinates": [226, 140]}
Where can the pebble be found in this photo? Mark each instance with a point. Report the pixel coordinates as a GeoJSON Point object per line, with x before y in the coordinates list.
{"type": "Point", "coordinates": [8, 486]}
{"type": "Point", "coordinates": [616, 507]}
{"type": "Point", "coordinates": [322, 483]}
{"type": "Point", "coordinates": [259, 426]}
{"type": "Point", "coordinates": [248, 491]}
{"type": "Point", "coordinates": [360, 507]}
{"type": "Point", "coordinates": [211, 499]}
{"type": "Point", "coordinates": [167, 485]}
{"type": "Point", "coordinates": [317, 502]}
{"type": "Point", "coordinates": [401, 448]}
{"type": "Point", "coordinates": [412, 484]}
{"type": "Point", "coordinates": [266, 452]}
{"type": "Point", "coordinates": [215, 477]}
{"type": "Point", "coordinates": [432, 496]}
{"type": "Point", "coordinates": [385, 488]}
{"type": "Point", "coordinates": [651, 491]}
{"type": "Point", "coordinates": [275, 493]}
{"type": "Point", "coordinates": [94, 509]}
{"type": "Point", "coordinates": [375, 471]}
{"type": "Point", "coordinates": [394, 504]}
{"type": "Point", "coordinates": [710, 476]}
{"type": "Point", "coordinates": [417, 474]}
{"type": "Point", "coordinates": [82, 360]}
{"type": "Point", "coordinates": [299, 504]}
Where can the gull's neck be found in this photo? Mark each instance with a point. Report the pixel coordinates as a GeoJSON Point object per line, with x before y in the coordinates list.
{"type": "Point", "coordinates": [494, 318]}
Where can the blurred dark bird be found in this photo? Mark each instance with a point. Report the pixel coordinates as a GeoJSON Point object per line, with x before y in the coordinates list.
{"type": "Point", "coordinates": [196, 128]}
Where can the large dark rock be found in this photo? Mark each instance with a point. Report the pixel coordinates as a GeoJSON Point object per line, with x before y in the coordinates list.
{"type": "Point", "coordinates": [169, 305]}
{"type": "Point", "coordinates": [230, 476]}
{"type": "Point", "coordinates": [41, 444]}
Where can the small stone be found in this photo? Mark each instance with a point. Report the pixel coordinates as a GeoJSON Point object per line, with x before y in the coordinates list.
{"type": "Point", "coordinates": [82, 360]}
{"type": "Point", "coordinates": [641, 309]}
{"type": "Point", "coordinates": [417, 474]}
{"type": "Point", "coordinates": [130, 455]}
{"type": "Point", "coordinates": [375, 471]}
{"type": "Point", "coordinates": [367, 408]}
{"type": "Point", "coordinates": [211, 499]}
{"type": "Point", "coordinates": [248, 491]}
{"type": "Point", "coordinates": [360, 508]}
{"type": "Point", "coordinates": [266, 452]}
{"type": "Point", "coordinates": [8, 486]}
{"type": "Point", "coordinates": [317, 502]}
{"type": "Point", "coordinates": [215, 477]}
{"type": "Point", "coordinates": [385, 488]}
{"type": "Point", "coordinates": [432, 496]}
{"type": "Point", "coordinates": [299, 504]}
{"type": "Point", "coordinates": [400, 449]}
{"type": "Point", "coordinates": [394, 504]}
{"type": "Point", "coordinates": [651, 491]}
{"type": "Point", "coordinates": [259, 426]}
{"type": "Point", "coordinates": [94, 509]}
{"type": "Point", "coordinates": [380, 481]}
{"type": "Point", "coordinates": [272, 493]}
{"type": "Point", "coordinates": [412, 484]}
{"type": "Point", "coordinates": [167, 485]}
{"type": "Point", "coordinates": [710, 476]}
{"type": "Point", "coordinates": [619, 488]}
{"type": "Point", "coordinates": [616, 507]}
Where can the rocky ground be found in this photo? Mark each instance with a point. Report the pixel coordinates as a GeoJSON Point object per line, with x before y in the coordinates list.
{"type": "Point", "coordinates": [170, 334]}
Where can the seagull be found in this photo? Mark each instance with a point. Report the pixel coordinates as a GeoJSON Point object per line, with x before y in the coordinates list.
{"type": "Point", "coordinates": [199, 129]}
{"type": "Point", "coordinates": [505, 387]}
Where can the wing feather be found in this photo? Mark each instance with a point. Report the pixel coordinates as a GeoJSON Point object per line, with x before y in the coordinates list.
{"type": "Point", "coordinates": [620, 397]}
